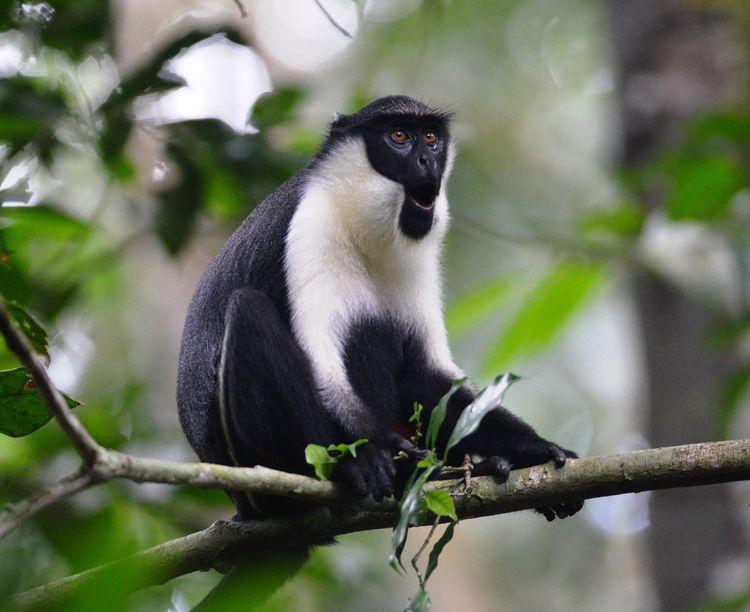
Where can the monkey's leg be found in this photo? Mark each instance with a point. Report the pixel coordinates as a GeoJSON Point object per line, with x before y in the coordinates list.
{"type": "Point", "coordinates": [269, 403]}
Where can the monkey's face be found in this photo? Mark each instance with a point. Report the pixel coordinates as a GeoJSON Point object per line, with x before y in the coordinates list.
{"type": "Point", "coordinates": [406, 142]}
{"type": "Point", "coordinates": [411, 151]}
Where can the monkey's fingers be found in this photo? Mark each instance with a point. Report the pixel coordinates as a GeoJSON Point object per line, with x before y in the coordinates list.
{"type": "Point", "coordinates": [561, 510]}
{"type": "Point", "coordinates": [397, 443]}
{"type": "Point", "coordinates": [548, 513]}
{"type": "Point", "coordinates": [558, 455]}
{"type": "Point", "coordinates": [497, 466]}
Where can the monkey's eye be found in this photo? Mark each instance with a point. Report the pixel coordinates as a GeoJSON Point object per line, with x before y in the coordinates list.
{"type": "Point", "coordinates": [430, 137]}
{"type": "Point", "coordinates": [399, 136]}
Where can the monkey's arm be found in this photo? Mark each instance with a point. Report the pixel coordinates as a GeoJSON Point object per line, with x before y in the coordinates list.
{"type": "Point", "coordinates": [503, 442]}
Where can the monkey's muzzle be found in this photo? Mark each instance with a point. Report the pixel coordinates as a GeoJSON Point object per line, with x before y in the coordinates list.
{"type": "Point", "coordinates": [422, 196]}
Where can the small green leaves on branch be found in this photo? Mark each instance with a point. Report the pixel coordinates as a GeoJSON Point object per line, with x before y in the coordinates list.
{"type": "Point", "coordinates": [324, 459]}
{"type": "Point", "coordinates": [34, 332]}
{"type": "Point", "coordinates": [490, 398]}
{"type": "Point", "coordinates": [22, 408]}
{"type": "Point", "coordinates": [439, 501]}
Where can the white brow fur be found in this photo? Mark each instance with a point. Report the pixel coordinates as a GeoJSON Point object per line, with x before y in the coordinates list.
{"type": "Point", "coordinates": [346, 257]}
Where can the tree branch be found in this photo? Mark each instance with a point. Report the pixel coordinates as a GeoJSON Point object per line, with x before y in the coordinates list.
{"type": "Point", "coordinates": [226, 542]}
{"type": "Point", "coordinates": [87, 447]}
{"type": "Point", "coordinates": [332, 21]}
{"type": "Point", "coordinates": [113, 464]}
{"type": "Point", "coordinates": [16, 514]}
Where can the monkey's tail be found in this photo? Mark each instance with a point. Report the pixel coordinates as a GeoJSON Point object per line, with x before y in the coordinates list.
{"type": "Point", "coordinates": [249, 584]}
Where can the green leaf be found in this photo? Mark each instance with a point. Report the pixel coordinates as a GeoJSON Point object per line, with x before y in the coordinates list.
{"type": "Point", "coordinates": [702, 187]}
{"type": "Point", "coordinates": [489, 398]}
{"type": "Point", "coordinates": [429, 460]}
{"type": "Point", "coordinates": [731, 127]}
{"type": "Point", "coordinates": [30, 328]}
{"type": "Point", "coordinates": [416, 415]}
{"type": "Point", "coordinates": [438, 415]}
{"type": "Point", "coordinates": [224, 197]}
{"type": "Point", "coordinates": [626, 220]}
{"type": "Point", "coordinates": [476, 305]}
{"type": "Point", "coordinates": [441, 503]}
{"type": "Point", "coordinates": [544, 313]}
{"type": "Point", "coordinates": [180, 204]}
{"type": "Point", "coordinates": [29, 110]}
{"type": "Point", "coordinates": [44, 221]}
{"type": "Point", "coordinates": [438, 549]}
{"type": "Point", "coordinates": [346, 449]}
{"type": "Point", "coordinates": [276, 107]}
{"type": "Point", "coordinates": [324, 462]}
{"type": "Point", "coordinates": [419, 603]}
{"type": "Point", "coordinates": [734, 392]}
{"type": "Point", "coordinates": [22, 408]}
{"type": "Point", "coordinates": [318, 457]}
{"type": "Point", "coordinates": [408, 511]}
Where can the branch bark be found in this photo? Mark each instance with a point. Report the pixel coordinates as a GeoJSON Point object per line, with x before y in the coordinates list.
{"type": "Point", "coordinates": [84, 443]}
{"type": "Point", "coordinates": [113, 464]}
{"type": "Point", "coordinates": [226, 542]}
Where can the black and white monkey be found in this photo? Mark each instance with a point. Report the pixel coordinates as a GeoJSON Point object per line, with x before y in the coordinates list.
{"type": "Point", "coordinates": [321, 320]}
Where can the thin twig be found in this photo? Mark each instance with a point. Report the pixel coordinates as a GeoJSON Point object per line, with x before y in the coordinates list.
{"type": "Point", "coordinates": [415, 558]}
{"type": "Point", "coordinates": [87, 447]}
{"type": "Point", "coordinates": [16, 514]}
{"type": "Point", "coordinates": [333, 22]}
{"type": "Point", "coordinates": [243, 10]}
{"type": "Point", "coordinates": [468, 468]}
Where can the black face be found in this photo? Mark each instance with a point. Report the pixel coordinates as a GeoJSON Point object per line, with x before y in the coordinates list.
{"type": "Point", "coordinates": [407, 142]}
{"type": "Point", "coordinates": [411, 152]}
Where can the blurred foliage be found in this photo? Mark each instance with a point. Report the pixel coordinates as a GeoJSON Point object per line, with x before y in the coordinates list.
{"type": "Point", "coordinates": [544, 313]}
{"type": "Point", "coordinates": [58, 260]}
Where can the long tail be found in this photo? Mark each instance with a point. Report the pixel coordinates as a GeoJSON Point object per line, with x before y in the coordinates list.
{"type": "Point", "coordinates": [250, 584]}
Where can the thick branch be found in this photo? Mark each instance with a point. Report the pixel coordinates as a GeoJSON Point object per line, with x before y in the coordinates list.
{"type": "Point", "coordinates": [84, 443]}
{"type": "Point", "coordinates": [113, 464]}
{"type": "Point", "coordinates": [257, 479]}
{"type": "Point", "coordinates": [224, 542]}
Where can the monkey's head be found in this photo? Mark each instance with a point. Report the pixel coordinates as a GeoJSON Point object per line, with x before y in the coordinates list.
{"type": "Point", "coordinates": [408, 143]}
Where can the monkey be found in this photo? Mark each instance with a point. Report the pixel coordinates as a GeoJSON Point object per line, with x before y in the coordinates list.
{"type": "Point", "coordinates": [321, 319]}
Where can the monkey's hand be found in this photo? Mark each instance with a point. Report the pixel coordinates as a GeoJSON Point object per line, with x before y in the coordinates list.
{"type": "Point", "coordinates": [505, 442]}
{"type": "Point", "coordinates": [373, 470]}
{"type": "Point", "coordinates": [540, 452]}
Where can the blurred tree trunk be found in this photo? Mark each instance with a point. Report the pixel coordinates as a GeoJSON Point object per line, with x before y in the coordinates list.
{"type": "Point", "coordinates": [677, 60]}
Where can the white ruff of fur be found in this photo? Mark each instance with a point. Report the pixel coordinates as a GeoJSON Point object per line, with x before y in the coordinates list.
{"type": "Point", "coordinates": [347, 258]}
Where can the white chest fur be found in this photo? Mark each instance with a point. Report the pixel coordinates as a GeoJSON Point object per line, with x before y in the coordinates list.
{"type": "Point", "coordinates": [346, 258]}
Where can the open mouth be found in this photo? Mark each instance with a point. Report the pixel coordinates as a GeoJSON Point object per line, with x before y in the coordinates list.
{"type": "Point", "coordinates": [423, 195]}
